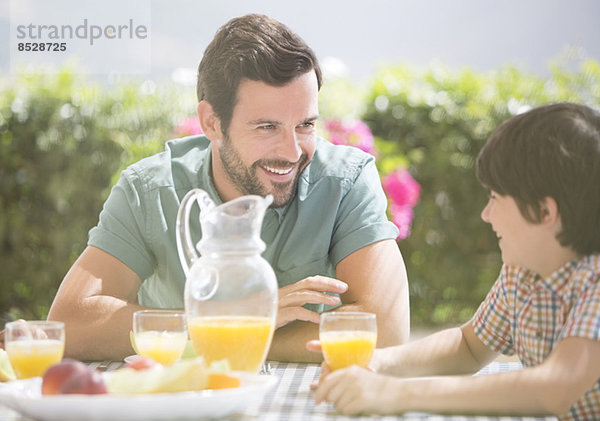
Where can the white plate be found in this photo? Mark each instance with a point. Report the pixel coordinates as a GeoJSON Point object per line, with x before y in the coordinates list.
{"type": "Point", "coordinates": [25, 396]}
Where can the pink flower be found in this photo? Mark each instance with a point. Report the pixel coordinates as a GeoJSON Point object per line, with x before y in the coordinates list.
{"type": "Point", "coordinates": [403, 192]}
{"type": "Point", "coordinates": [352, 133]}
{"type": "Point", "coordinates": [401, 188]}
{"type": "Point", "coordinates": [402, 216]}
{"type": "Point", "coordinates": [188, 127]}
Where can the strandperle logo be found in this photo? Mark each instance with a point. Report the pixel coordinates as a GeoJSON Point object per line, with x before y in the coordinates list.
{"type": "Point", "coordinates": [84, 31]}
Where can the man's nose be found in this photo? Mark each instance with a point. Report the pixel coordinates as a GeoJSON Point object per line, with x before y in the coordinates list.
{"type": "Point", "coordinates": [289, 148]}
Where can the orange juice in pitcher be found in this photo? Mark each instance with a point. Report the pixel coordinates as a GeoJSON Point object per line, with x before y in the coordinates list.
{"type": "Point", "coordinates": [242, 340]}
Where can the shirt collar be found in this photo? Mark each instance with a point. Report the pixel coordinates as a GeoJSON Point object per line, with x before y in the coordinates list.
{"type": "Point", "coordinates": [559, 279]}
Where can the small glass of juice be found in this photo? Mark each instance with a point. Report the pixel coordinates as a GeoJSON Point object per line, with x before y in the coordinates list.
{"type": "Point", "coordinates": [160, 334]}
{"type": "Point", "coordinates": [33, 346]}
{"type": "Point", "coordinates": [347, 338]}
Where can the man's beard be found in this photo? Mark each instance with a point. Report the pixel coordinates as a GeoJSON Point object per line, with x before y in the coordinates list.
{"type": "Point", "coordinates": [246, 178]}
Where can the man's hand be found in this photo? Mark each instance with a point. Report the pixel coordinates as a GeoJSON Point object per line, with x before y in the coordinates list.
{"type": "Point", "coordinates": [3, 335]}
{"type": "Point", "coordinates": [309, 290]}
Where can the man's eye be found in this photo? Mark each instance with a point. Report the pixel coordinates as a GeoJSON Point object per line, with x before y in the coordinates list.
{"type": "Point", "coordinates": [267, 127]}
{"type": "Point", "coordinates": [308, 124]}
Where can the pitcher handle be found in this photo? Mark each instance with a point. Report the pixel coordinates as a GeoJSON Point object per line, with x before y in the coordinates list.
{"type": "Point", "coordinates": [185, 246]}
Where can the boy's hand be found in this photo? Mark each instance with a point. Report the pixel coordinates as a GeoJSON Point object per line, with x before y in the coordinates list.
{"type": "Point", "coordinates": [356, 390]}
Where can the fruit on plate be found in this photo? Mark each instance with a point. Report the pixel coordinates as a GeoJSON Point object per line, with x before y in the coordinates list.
{"type": "Point", "coordinates": [132, 340]}
{"type": "Point", "coordinates": [6, 371]}
{"type": "Point", "coordinates": [222, 381]}
{"type": "Point", "coordinates": [57, 374]}
{"type": "Point", "coordinates": [141, 363]}
{"type": "Point", "coordinates": [70, 377]}
{"type": "Point", "coordinates": [89, 382]}
{"type": "Point", "coordinates": [181, 376]}
{"type": "Point", "coordinates": [188, 351]}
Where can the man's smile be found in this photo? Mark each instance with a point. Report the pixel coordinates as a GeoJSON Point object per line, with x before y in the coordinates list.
{"type": "Point", "coordinates": [280, 171]}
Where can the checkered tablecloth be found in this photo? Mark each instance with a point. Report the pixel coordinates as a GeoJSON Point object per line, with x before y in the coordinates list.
{"type": "Point", "coordinates": [292, 399]}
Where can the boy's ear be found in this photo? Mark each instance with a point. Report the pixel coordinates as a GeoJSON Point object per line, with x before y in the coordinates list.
{"type": "Point", "coordinates": [549, 209]}
{"type": "Point", "coordinates": [209, 121]}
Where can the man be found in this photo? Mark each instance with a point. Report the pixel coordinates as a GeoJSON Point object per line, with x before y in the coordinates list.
{"type": "Point", "coordinates": [326, 231]}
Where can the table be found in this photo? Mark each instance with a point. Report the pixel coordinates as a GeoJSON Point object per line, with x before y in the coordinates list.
{"type": "Point", "coordinates": [291, 399]}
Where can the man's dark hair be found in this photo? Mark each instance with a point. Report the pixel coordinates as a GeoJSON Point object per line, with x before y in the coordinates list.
{"type": "Point", "coordinates": [550, 151]}
{"type": "Point", "coordinates": [253, 47]}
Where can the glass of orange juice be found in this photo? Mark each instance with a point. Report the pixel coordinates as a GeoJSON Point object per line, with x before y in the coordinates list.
{"type": "Point", "coordinates": [33, 346]}
{"type": "Point", "coordinates": [347, 338]}
{"type": "Point", "coordinates": [242, 340]}
{"type": "Point", "coordinates": [160, 334]}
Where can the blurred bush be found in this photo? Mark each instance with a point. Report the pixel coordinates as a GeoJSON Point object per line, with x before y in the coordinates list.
{"type": "Point", "coordinates": [64, 139]}
{"type": "Point", "coordinates": [439, 120]}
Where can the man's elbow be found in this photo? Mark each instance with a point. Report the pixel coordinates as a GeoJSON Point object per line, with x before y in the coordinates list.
{"type": "Point", "coordinates": [393, 325]}
{"type": "Point", "coordinates": [394, 320]}
{"type": "Point", "coordinates": [392, 335]}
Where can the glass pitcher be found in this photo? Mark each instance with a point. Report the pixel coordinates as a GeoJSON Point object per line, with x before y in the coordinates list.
{"type": "Point", "coordinates": [230, 290]}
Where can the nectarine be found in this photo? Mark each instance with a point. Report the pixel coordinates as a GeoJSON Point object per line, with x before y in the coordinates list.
{"type": "Point", "coordinates": [57, 374]}
{"type": "Point", "coordinates": [90, 382]}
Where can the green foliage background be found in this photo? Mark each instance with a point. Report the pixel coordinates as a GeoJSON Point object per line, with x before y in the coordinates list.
{"type": "Point", "coordinates": [64, 140]}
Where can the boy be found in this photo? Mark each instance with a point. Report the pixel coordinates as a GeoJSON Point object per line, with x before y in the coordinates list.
{"type": "Point", "coordinates": [543, 170]}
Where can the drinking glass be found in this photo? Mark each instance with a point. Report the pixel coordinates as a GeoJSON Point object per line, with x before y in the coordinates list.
{"type": "Point", "coordinates": [347, 338]}
{"type": "Point", "coordinates": [160, 334]}
{"type": "Point", "coordinates": [33, 346]}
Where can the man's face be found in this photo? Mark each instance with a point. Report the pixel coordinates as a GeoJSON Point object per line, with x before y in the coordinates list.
{"type": "Point", "coordinates": [270, 140]}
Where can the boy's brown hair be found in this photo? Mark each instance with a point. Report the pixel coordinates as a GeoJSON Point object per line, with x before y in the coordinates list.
{"type": "Point", "coordinates": [550, 151]}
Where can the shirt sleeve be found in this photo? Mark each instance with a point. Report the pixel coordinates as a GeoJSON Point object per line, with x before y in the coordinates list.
{"type": "Point", "coordinates": [584, 318]}
{"type": "Point", "coordinates": [492, 321]}
{"type": "Point", "coordinates": [362, 218]}
{"type": "Point", "coordinates": [121, 226]}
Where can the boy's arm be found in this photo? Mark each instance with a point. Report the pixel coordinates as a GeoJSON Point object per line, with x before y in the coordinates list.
{"type": "Point", "coordinates": [450, 351]}
{"type": "Point", "coordinates": [550, 388]}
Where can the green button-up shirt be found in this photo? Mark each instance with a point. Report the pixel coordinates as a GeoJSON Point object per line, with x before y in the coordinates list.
{"type": "Point", "coordinates": [339, 208]}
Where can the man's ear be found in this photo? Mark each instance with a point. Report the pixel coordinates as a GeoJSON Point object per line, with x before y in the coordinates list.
{"type": "Point", "coordinates": [549, 208]}
{"type": "Point", "coordinates": [209, 121]}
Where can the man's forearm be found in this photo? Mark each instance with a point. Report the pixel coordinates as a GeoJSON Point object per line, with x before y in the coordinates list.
{"type": "Point", "coordinates": [289, 343]}
{"type": "Point", "coordinates": [99, 329]}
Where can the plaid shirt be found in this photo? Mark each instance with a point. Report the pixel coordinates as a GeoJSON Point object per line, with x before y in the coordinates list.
{"type": "Point", "coordinates": [528, 315]}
